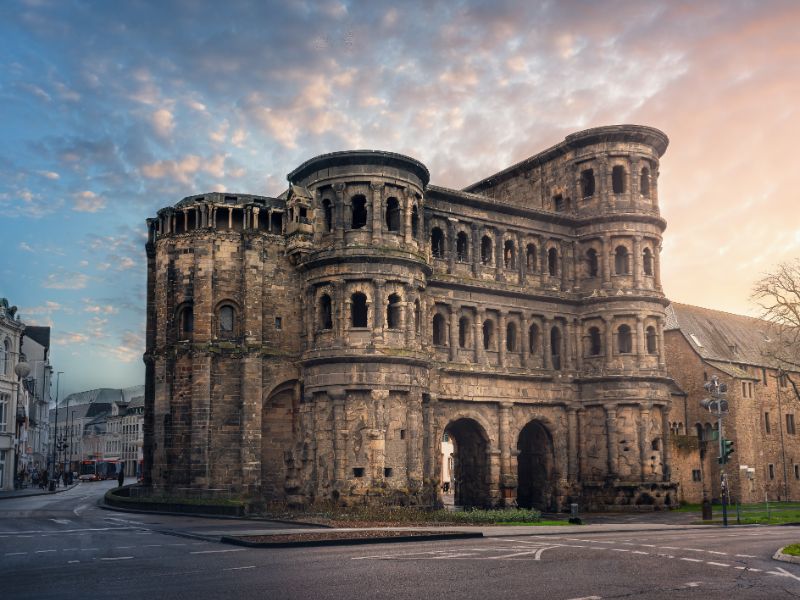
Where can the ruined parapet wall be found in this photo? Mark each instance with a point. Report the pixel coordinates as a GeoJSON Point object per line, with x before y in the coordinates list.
{"type": "Point", "coordinates": [364, 365]}
{"type": "Point", "coordinates": [223, 323]}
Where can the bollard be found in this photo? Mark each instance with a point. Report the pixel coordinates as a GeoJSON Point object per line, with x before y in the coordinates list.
{"type": "Point", "coordinates": [573, 514]}
{"type": "Point", "coordinates": [706, 509]}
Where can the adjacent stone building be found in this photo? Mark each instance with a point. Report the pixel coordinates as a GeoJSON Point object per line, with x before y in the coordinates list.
{"type": "Point", "coordinates": [703, 343]}
{"type": "Point", "coordinates": [319, 346]}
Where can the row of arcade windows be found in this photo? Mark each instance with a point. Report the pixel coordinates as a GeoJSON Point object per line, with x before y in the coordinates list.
{"type": "Point", "coordinates": [618, 178]}
{"type": "Point", "coordinates": [359, 214]}
{"type": "Point", "coordinates": [621, 261]}
{"type": "Point", "coordinates": [225, 323]}
{"type": "Point", "coordinates": [624, 340]}
{"type": "Point", "coordinates": [487, 252]}
{"type": "Point", "coordinates": [359, 312]}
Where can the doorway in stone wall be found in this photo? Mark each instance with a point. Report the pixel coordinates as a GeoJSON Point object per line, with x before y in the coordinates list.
{"type": "Point", "coordinates": [277, 440]}
{"type": "Point", "coordinates": [469, 477]}
{"type": "Point", "coordinates": [535, 464]}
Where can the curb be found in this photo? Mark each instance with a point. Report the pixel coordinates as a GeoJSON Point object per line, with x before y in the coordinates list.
{"type": "Point", "coordinates": [779, 555]}
{"type": "Point", "coordinates": [226, 539]}
{"type": "Point", "coordinates": [40, 493]}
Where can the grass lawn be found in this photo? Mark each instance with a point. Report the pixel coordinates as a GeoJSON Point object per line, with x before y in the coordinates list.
{"type": "Point", "coordinates": [794, 550]}
{"type": "Point", "coordinates": [751, 514]}
{"type": "Point", "coordinates": [536, 523]}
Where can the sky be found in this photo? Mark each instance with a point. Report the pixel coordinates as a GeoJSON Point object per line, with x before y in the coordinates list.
{"type": "Point", "coordinates": [112, 110]}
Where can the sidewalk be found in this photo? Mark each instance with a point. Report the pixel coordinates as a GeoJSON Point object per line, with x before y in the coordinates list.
{"type": "Point", "coordinates": [34, 491]}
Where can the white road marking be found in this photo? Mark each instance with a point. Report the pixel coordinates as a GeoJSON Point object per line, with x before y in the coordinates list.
{"type": "Point", "coordinates": [619, 550]}
{"type": "Point", "coordinates": [692, 584]}
{"type": "Point", "coordinates": [669, 548]}
{"type": "Point", "coordinates": [69, 562]}
{"type": "Point", "coordinates": [123, 547]}
{"type": "Point", "coordinates": [640, 552]}
{"type": "Point", "coordinates": [715, 552]}
{"type": "Point", "coordinates": [61, 521]}
{"type": "Point", "coordinates": [43, 551]}
{"type": "Point", "coordinates": [14, 553]}
{"type": "Point", "coordinates": [89, 549]}
{"type": "Point", "coordinates": [588, 598]}
{"type": "Point", "coordinates": [691, 559]}
{"type": "Point", "coordinates": [745, 555]}
{"type": "Point", "coordinates": [152, 546]}
{"type": "Point", "coordinates": [240, 568]}
{"type": "Point", "coordinates": [783, 573]}
{"type": "Point", "coordinates": [716, 564]}
{"type": "Point", "coordinates": [116, 558]}
{"type": "Point", "coordinates": [218, 551]}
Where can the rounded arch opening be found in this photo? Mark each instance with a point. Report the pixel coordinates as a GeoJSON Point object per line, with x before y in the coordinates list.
{"type": "Point", "coordinates": [536, 468]}
{"type": "Point", "coordinates": [469, 463]}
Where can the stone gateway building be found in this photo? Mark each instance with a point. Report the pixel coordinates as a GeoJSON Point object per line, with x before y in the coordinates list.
{"type": "Point", "coordinates": [319, 346]}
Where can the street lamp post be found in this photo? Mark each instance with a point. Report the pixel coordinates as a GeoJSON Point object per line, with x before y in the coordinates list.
{"type": "Point", "coordinates": [718, 404]}
{"type": "Point", "coordinates": [54, 441]}
{"type": "Point", "coordinates": [21, 369]}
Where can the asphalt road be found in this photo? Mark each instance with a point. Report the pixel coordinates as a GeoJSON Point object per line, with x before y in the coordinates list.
{"type": "Point", "coordinates": [63, 546]}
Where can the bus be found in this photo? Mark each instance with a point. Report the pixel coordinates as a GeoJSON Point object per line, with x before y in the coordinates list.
{"type": "Point", "coordinates": [97, 470]}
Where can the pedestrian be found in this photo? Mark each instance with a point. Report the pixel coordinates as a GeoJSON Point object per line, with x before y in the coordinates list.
{"type": "Point", "coordinates": [121, 475]}
{"type": "Point", "coordinates": [44, 479]}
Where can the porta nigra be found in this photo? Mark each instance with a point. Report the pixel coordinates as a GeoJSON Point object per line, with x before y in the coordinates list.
{"type": "Point", "coordinates": [321, 345]}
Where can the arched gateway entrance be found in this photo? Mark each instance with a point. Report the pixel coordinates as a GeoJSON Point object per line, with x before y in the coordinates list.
{"type": "Point", "coordinates": [470, 464]}
{"type": "Point", "coordinates": [535, 466]}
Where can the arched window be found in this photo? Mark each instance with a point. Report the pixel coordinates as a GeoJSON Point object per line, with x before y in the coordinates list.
{"type": "Point", "coordinates": [652, 345]}
{"type": "Point", "coordinates": [437, 242]}
{"type": "Point", "coordinates": [511, 337]}
{"type": "Point", "coordinates": [393, 312]}
{"type": "Point", "coordinates": [226, 319]}
{"type": "Point", "coordinates": [486, 250]}
{"type": "Point", "coordinates": [530, 258]}
{"type": "Point", "coordinates": [595, 342]}
{"type": "Point", "coordinates": [185, 322]}
{"type": "Point", "coordinates": [463, 332]}
{"type": "Point", "coordinates": [621, 260]}
{"type": "Point", "coordinates": [592, 263]}
{"type": "Point", "coordinates": [414, 221]}
{"type": "Point", "coordinates": [325, 312]}
{"type": "Point", "coordinates": [359, 217]}
{"type": "Point", "coordinates": [552, 262]}
{"type": "Point", "coordinates": [587, 183]}
{"type": "Point", "coordinates": [393, 214]}
{"type": "Point", "coordinates": [417, 316]}
{"type": "Point", "coordinates": [647, 261]}
{"type": "Point", "coordinates": [624, 341]}
{"type": "Point", "coordinates": [644, 182]}
{"type": "Point", "coordinates": [358, 310]}
{"type": "Point", "coordinates": [439, 336]}
{"type": "Point", "coordinates": [558, 203]}
{"type": "Point", "coordinates": [488, 334]}
{"type": "Point", "coordinates": [327, 213]}
{"type": "Point", "coordinates": [509, 259]}
{"type": "Point", "coordinates": [555, 348]}
{"type": "Point", "coordinates": [462, 247]}
{"type": "Point", "coordinates": [533, 339]}
{"type": "Point", "coordinates": [618, 179]}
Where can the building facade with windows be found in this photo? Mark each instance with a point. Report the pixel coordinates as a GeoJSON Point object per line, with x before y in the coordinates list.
{"type": "Point", "coordinates": [763, 407]}
{"type": "Point", "coordinates": [11, 330]}
{"type": "Point", "coordinates": [320, 345]}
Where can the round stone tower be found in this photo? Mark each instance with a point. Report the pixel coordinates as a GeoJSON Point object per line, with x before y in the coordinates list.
{"type": "Point", "coordinates": [355, 233]}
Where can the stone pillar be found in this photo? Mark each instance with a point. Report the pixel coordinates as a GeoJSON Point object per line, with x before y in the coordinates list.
{"type": "Point", "coordinates": [576, 343]}
{"type": "Point", "coordinates": [310, 320]}
{"type": "Point", "coordinates": [666, 459]}
{"type": "Point", "coordinates": [409, 326]}
{"type": "Point", "coordinates": [476, 249]}
{"type": "Point", "coordinates": [611, 438]}
{"type": "Point", "coordinates": [634, 187]}
{"type": "Point", "coordinates": [522, 259]}
{"type": "Point", "coordinates": [432, 444]}
{"type": "Point", "coordinates": [201, 385]}
{"type": "Point", "coordinates": [407, 204]}
{"type": "Point", "coordinates": [340, 310]}
{"type": "Point", "coordinates": [637, 262]}
{"type": "Point", "coordinates": [340, 435]}
{"type": "Point", "coordinates": [606, 266]}
{"type": "Point", "coordinates": [378, 316]}
{"type": "Point", "coordinates": [524, 337]}
{"type": "Point", "coordinates": [644, 421]}
{"type": "Point", "coordinates": [507, 483]}
{"type": "Point", "coordinates": [662, 364]}
{"type": "Point", "coordinates": [338, 212]}
{"type": "Point", "coordinates": [450, 245]}
{"type": "Point", "coordinates": [547, 325]}
{"type": "Point", "coordinates": [609, 341]}
{"type": "Point", "coordinates": [641, 350]}
{"type": "Point", "coordinates": [414, 439]}
{"type": "Point", "coordinates": [563, 262]}
{"type": "Point", "coordinates": [543, 271]}
{"type": "Point", "coordinates": [214, 217]}
{"type": "Point", "coordinates": [583, 467]}
{"type": "Point", "coordinates": [185, 221]}
{"type": "Point", "coordinates": [572, 444]}
{"type": "Point", "coordinates": [230, 217]}
{"type": "Point", "coordinates": [377, 211]}
{"type": "Point", "coordinates": [454, 310]}
{"type": "Point", "coordinates": [657, 267]}
{"type": "Point", "coordinates": [252, 388]}
{"type": "Point", "coordinates": [480, 315]}
{"type": "Point", "coordinates": [256, 212]}
{"type": "Point", "coordinates": [498, 255]}
{"type": "Point", "coordinates": [501, 338]}
{"type": "Point", "coordinates": [568, 341]}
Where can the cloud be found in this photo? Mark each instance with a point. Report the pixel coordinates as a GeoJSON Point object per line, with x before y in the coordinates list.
{"type": "Point", "coordinates": [87, 201]}
{"type": "Point", "coordinates": [25, 247]}
{"type": "Point", "coordinates": [163, 122]}
{"type": "Point", "coordinates": [70, 338]}
{"type": "Point", "coordinates": [184, 169]}
{"type": "Point", "coordinates": [49, 175]}
{"type": "Point", "coordinates": [65, 281]}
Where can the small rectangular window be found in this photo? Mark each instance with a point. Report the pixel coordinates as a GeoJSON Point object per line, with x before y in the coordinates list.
{"type": "Point", "coordinates": [696, 475]}
{"type": "Point", "coordinates": [358, 471]}
{"type": "Point", "coordinates": [402, 434]}
{"type": "Point", "coordinates": [387, 472]}
{"type": "Point", "coordinates": [767, 428]}
{"type": "Point", "coordinates": [782, 381]}
{"type": "Point", "coordinates": [771, 469]}
{"type": "Point", "coordinates": [797, 471]}
{"type": "Point", "coordinates": [278, 323]}
{"type": "Point", "coordinates": [764, 376]}
{"type": "Point", "coordinates": [744, 389]}
{"type": "Point", "coordinates": [790, 424]}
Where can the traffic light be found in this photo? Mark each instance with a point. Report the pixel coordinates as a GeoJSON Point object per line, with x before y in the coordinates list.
{"type": "Point", "coordinates": [727, 450]}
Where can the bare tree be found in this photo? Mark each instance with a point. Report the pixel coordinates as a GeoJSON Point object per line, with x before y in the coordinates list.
{"type": "Point", "coordinates": [778, 295]}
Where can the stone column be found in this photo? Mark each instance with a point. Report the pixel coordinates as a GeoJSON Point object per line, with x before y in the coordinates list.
{"type": "Point", "coordinates": [501, 338]}
{"type": "Point", "coordinates": [609, 345]}
{"type": "Point", "coordinates": [202, 392]}
{"type": "Point", "coordinates": [340, 435]}
{"type": "Point", "coordinates": [185, 221]}
{"type": "Point", "coordinates": [637, 262]}
{"type": "Point", "coordinates": [543, 271]}
{"type": "Point", "coordinates": [476, 249]}
{"type": "Point", "coordinates": [480, 317]}
{"type": "Point", "coordinates": [572, 444]}
{"type": "Point", "coordinates": [377, 211]}
{"type": "Point", "coordinates": [338, 211]}
{"type": "Point", "coordinates": [547, 325]}
{"type": "Point", "coordinates": [409, 326]}
{"type": "Point", "coordinates": [311, 321]}
{"type": "Point", "coordinates": [576, 339]}
{"type": "Point", "coordinates": [522, 259]}
{"type": "Point", "coordinates": [450, 246]}
{"type": "Point", "coordinates": [214, 217]}
{"type": "Point", "coordinates": [567, 340]}
{"type": "Point", "coordinates": [644, 421]}
{"type": "Point", "coordinates": [657, 267]}
{"type": "Point", "coordinates": [407, 204]}
{"type": "Point", "coordinates": [432, 444]}
{"type": "Point", "coordinates": [666, 459]}
{"type": "Point", "coordinates": [641, 351]}
{"type": "Point", "coordinates": [256, 212]}
{"type": "Point", "coordinates": [251, 382]}
{"type": "Point", "coordinates": [507, 484]}
{"type": "Point", "coordinates": [611, 438]}
{"type": "Point", "coordinates": [378, 316]}
{"type": "Point", "coordinates": [414, 439]}
{"type": "Point", "coordinates": [230, 217]}
{"type": "Point", "coordinates": [524, 337]}
{"type": "Point", "coordinates": [562, 257]}
{"type": "Point", "coordinates": [662, 364]}
{"type": "Point", "coordinates": [498, 255]}
{"type": "Point", "coordinates": [454, 310]}
{"type": "Point", "coordinates": [634, 187]}
{"type": "Point", "coordinates": [340, 309]}
{"type": "Point", "coordinates": [606, 266]}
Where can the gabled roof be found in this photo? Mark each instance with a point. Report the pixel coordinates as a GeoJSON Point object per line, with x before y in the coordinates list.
{"type": "Point", "coordinates": [40, 335]}
{"type": "Point", "coordinates": [720, 337]}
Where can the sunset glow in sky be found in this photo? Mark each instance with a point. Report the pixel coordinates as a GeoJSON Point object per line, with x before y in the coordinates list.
{"type": "Point", "coordinates": [112, 110]}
